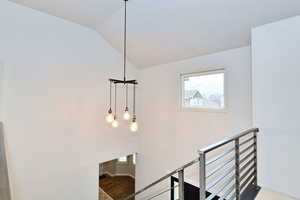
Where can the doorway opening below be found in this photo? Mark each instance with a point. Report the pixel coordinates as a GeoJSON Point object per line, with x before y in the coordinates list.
{"type": "Point", "coordinates": [117, 178]}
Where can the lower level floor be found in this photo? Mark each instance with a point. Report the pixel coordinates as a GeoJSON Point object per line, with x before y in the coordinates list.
{"type": "Point", "coordinates": [116, 187]}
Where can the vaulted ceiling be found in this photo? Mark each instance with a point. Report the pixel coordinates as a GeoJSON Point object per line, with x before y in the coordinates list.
{"type": "Point", "coordinates": [164, 31]}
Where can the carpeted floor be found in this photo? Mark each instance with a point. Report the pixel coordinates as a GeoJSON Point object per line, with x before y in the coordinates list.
{"type": "Point", "coordinates": [117, 187]}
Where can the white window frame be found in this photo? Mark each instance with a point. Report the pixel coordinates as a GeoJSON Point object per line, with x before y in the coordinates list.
{"type": "Point", "coordinates": [203, 73]}
{"type": "Point", "coordinates": [134, 158]}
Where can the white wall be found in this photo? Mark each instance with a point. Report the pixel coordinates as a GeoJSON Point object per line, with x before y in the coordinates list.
{"type": "Point", "coordinates": [1, 88]}
{"type": "Point", "coordinates": [56, 96]}
{"type": "Point", "coordinates": [276, 97]}
{"type": "Point", "coordinates": [171, 137]}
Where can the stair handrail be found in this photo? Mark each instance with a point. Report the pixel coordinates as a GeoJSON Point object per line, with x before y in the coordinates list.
{"type": "Point", "coordinates": [227, 140]}
{"type": "Point", "coordinates": [238, 177]}
{"type": "Point", "coordinates": [163, 178]}
{"type": "Point", "coordinates": [202, 161]}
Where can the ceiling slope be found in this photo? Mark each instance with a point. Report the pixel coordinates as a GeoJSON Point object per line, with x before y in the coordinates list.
{"type": "Point", "coordinates": [166, 31]}
{"type": "Point", "coordinates": [85, 12]}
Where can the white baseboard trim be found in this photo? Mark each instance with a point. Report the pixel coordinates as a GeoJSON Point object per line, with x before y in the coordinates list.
{"type": "Point", "coordinates": [108, 173]}
{"type": "Point", "coordinates": [125, 175]}
{"type": "Point", "coordinates": [113, 175]}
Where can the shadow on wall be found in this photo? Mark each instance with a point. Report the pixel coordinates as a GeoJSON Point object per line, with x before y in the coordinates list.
{"type": "Point", "coordinates": [4, 184]}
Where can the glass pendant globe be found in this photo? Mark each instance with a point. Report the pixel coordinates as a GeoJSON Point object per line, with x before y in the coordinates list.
{"type": "Point", "coordinates": [134, 127]}
{"type": "Point", "coordinates": [126, 115]}
{"type": "Point", "coordinates": [115, 123]}
{"type": "Point", "coordinates": [109, 118]}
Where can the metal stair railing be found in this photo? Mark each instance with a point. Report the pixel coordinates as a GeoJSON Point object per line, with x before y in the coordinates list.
{"type": "Point", "coordinates": [241, 174]}
{"type": "Point", "coordinates": [179, 171]}
{"type": "Point", "coordinates": [4, 180]}
{"type": "Point", "coordinates": [233, 180]}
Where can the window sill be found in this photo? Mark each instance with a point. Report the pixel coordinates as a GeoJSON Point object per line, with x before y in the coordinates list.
{"type": "Point", "coordinates": [208, 110]}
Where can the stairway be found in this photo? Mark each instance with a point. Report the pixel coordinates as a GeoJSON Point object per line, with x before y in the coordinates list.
{"type": "Point", "coordinates": [191, 192]}
{"type": "Point", "coordinates": [227, 171]}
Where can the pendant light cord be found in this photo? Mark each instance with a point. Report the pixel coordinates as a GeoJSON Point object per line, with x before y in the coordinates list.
{"type": "Point", "coordinates": [126, 96]}
{"type": "Point", "coordinates": [115, 100]}
{"type": "Point", "coordinates": [134, 99]}
{"type": "Point", "coordinates": [110, 95]}
{"type": "Point", "coordinates": [125, 38]}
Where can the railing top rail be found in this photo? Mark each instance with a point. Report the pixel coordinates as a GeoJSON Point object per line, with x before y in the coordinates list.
{"type": "Point", "coordinates": [228, 140]}
{"type": "Point", "coordinates": [163, 178]}
{"type": "Point", "coordinates": [205, 150]}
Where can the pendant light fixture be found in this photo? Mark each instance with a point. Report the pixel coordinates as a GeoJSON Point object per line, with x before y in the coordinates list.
{"type": "Point", "coordinates": [134, 125]}
{"type": "Point", "coordinates": [115, 122]}
{"type": "Point", "coordinates": [112, 118]}
{"type": "Point", "coordinates": [126, 115]}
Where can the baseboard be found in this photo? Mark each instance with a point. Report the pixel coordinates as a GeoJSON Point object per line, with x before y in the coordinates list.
{"type": "Point", "coordinates": [113, 175]}
{"type": "Point", "coordinates": [129, 175]}
{"type": "Point", "coordinates": [109, 174]}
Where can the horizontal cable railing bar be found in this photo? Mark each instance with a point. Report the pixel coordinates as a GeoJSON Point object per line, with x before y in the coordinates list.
{"type": "Point", "coordinates": [247, 172]}
{"type": "Point", "coordinates": [215, 170]}
{"type": "Point", "coordinates": [162, 192]}
{"type": "Point", "coordinates": [246, 157]}
{"type": "Point", "coordinates": [247, 180]}
{"type": "Point", "coordinates": [221, 177]}
{"type": "Point", "coordinates": [247, 164]}
{"type": "Point", "coordinates": [221, 188]}
{"type": "Point", "coordinates": [163, 178]}
{"type": "Point", "coordinates": [227, 192]}
{"type": "Point", "coordinates": [246, 141]}
{"type": "Point", "coordinates": [246, 149]}
{"type": "Point", "coordinates": [220, 156]}
{"type": "Point", "coordinates": [228, 140]}
{"type": "Point", "coordinates": [232, 197]}
{"type": "Point", "coordinates": [212, 172]}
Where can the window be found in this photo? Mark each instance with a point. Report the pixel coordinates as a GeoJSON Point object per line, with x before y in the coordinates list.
{"type": "Point", "coordinates": [204, 90]}
{"type": "Point", "coordinates": [123, 159]}
{"type": "Point", "coordinates": [134, 158]}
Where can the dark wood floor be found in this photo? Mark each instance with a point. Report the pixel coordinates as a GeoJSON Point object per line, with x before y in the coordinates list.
{"type": "Point", "coordinates": [117, 187]}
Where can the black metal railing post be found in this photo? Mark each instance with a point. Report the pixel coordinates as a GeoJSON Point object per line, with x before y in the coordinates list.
{"type": "Point", "coordinates": [237, 168]}
{"type": "Point", "coordinates": [202, 174]}
{"type": "Point", "coordinates": [255, 157]}
{"type": "Point", "coordinates": [181, 184]}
